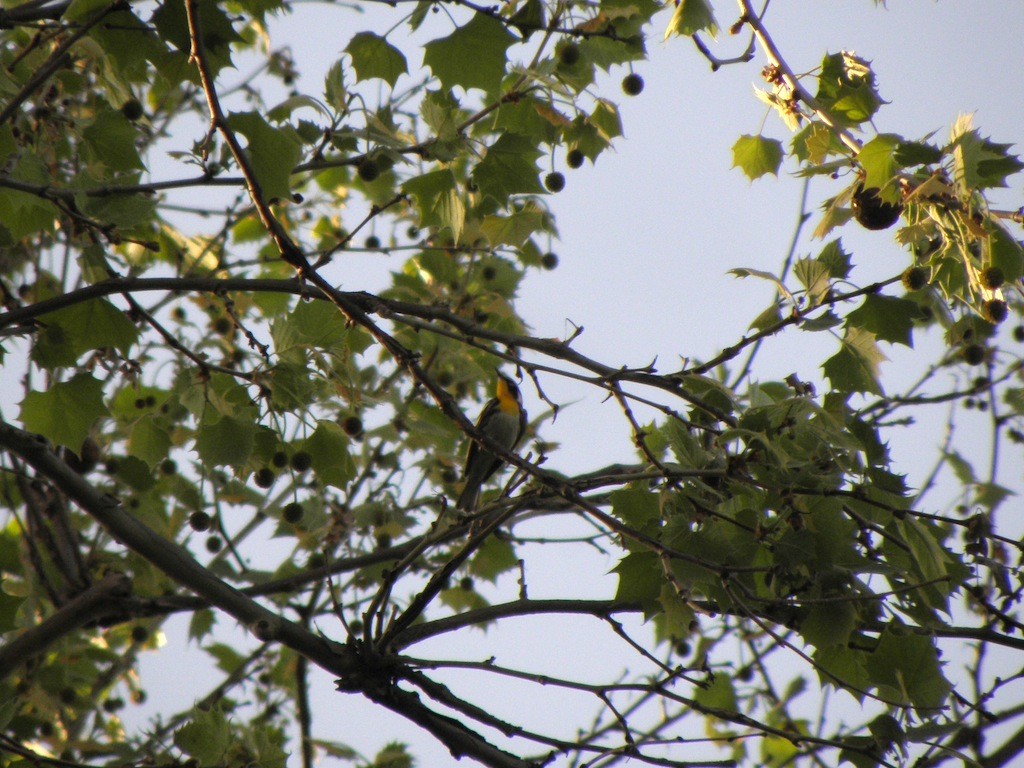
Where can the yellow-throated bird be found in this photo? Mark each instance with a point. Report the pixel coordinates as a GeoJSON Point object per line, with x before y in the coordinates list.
{"type": "Point", "coordinates": [503, 420]}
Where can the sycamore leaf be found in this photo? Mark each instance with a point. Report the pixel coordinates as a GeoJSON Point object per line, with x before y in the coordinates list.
{"type": "Point", "coordinates": [328, 448]}
{"type": "Point", "coordinates": [111, 141]}
{"type": "Point", "coordinates": [218, 31]}
{"type": "Point", "coordinates": [748, 272]}
{"type": "Point", "coordinates": [640, 579]}
{"type": "Point", "coordinates": [878, 159]}
{"type": "Point", "coordinates": [206, 738]}
{"type": "Point", "coordinates": [316, 324]}
{"type": "Point", "coordinates": [493, 558]}
{"type": "Point", "coordinates": [906, 667]}
{"type": "Point", "coordinates": [69, 332]}
{"type": "Point", "coordinates": [635, 506]}
{"type": "Point", "coordinates": [835, 259]}
{"type": "Point", "coordinates": [720, 694]}
{"type": "Point", "coordinates": [65, 412]}
{"type": "Point", "coordinates": [225, 440]}
{"type": "Point", "coordinates": [373, 56]}
{"type": "Point", "coordinates": [273, 152]}
{"type": "Point", "coordinates": [840, 665]}
{"type": "Point", "coordinates": [979, 162]}
{"type": "Point", "coordinates": [529, 18]}
{"type": "Point", "coordinates": [1006, 252]}
{"type": "Point", "coordinates": [813, 275]}
{"type": "Point", "coordinates": [887, 317]}
{"type": "Point", "coordinates": [827, 626]}
{"type": "Point", "coordinates": [692, 16]}
{"type": "Point", "coordinates": [605, 118]}
{"type": "Point", "coordinates": [438, 200]}
{"type": "Point", "coordinates": [757, 156]}
{"type": "Point", "coordinates": [846, 87]}
{"type": "Point", "coordinates": [508, 168]}
{"type": "Point", "coordinates": [149, 441]}
{"type": "Point", "coordinates": [911, 153]}
{"type": "Point", "coordinates": [514, 229]}
{"type": "Point", "coordinates": [855, 367]}
{"type": "Point", "coordinates": [814, 143]}
{"type": "Point", "coordinates": [473, 56]}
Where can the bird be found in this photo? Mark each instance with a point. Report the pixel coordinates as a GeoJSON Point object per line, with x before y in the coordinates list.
{"type": "Point", "coordinates": [503, 420]}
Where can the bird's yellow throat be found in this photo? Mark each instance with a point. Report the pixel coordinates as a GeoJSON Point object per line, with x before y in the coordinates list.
{"type": "Point", "coordinates": [506, 401]}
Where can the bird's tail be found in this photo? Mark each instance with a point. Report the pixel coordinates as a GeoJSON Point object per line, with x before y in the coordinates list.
{"type": "Point", "coordinates": [468, 497]}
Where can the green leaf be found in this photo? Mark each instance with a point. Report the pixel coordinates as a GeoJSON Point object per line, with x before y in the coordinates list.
{"type": "Point", "coordinates": [394, 755]}
{"type": "Point", "coordinates": [905, 667]}
{"type": "Point", "coordinates": [529, 18]}
{"type": "Point", "coordinates": [514, 229]}
{"type": "Point", "coordinates": [201, 623]}
{"type": "Point", "coordinates": [272, 152]}
{"type": "Point", "coordinates": [757, 156]}
{"type": "Point", "coordinates": [1006, 252]}
{"type": "Point", "coordinates": [635, 506]}
{"type": "Point", "coordinates": [718, 695]}
{"type": "Point", "coordinates": [980, 163]}
{"type": "Point", "coordinates": [911, 153]}
{"type": "Point", "coordinates": [842, 666]}
{"type": "Point", "coordinates": [206, 738]}
{"type": "Point", "coordinates": [836, 259]}
{"type": "Point", "coordinates": [854, 752]}
{"type": "Point", "coordinates": [846, 87]}
{"type": "Point", "coordinates": [855, 367]}
{"type": "Point", "coordinates": [69, 332]}
{"type": "Point", "coordinates": [692, 16]}
{"type": "Point", "coordinates": [317, 324]}
{"type": "Point", "coordinates": [218, 32]}
{"type": "Point", "coordinates": [65, 412]}
{"type": "Point", "coordinates": [888, 318]}
{"type": "Point", "coordinates": [640, 580]}
{"type": "Point", "coordinates": [225, 440]}
{"type": "Point", "coordinates": [815, 143]}
{"type": "Point", "coordinates": [814, 277]}
{"type": "Point", "coordinates": [292, 385]}
{"type": "Point", "coordinates": [878, 160]}
{"type": "Point", "coordinates": [829, 625]}
{"type": "Point", "coordinates": [328, 447]}
{"type": "Point", "coordinates": [929, 558]}
{"type": "Point", "coordinates": [127, 210]}
{"type": "Point", "coordinates": [494, 557]}
{"type": "Point", "coordinates": [438, 200]}
{"type": "Point", "coordinates": [149, 441]}
{"type": "Point", "coordinates": [22, 213]}
{"type": "Point", "coordinates": [473, 56]}
{"type": "Point", "coordinates": [373, 56]}
{"type": "Point", "coordinates": [508, 168]}
{"type": "Point", "coordinates": [110, 140]}
{"type": "Point", "coordinates": [605, 118]}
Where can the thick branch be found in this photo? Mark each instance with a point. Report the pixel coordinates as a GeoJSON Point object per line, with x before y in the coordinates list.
{"type": "Point", "coordinates": [86, 607]}
{"type": "Point", "coordinates": [424, 630]}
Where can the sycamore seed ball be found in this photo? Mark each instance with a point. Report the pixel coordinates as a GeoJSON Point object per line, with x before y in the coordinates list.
{"type": "Point", "coordinates": [554, 181]}
{"type": "Point", "coordinates": [974, 354]}
{"type": "Point", "coordinates": [915, 278]}
{"type": "Point", "coordinates": [368, 169]}
{"type": "Point", "coordinates": [992, 278]}
{"type": "Point", "coordinates": [994, 310]}
{"type": "Point", "coordinates": [633, 84]}
{"type": "Point", "coordinates": [569, 54]}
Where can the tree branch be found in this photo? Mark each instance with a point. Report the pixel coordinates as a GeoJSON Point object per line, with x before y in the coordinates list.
{"type": "Point", "coordinates": [86, 607]}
